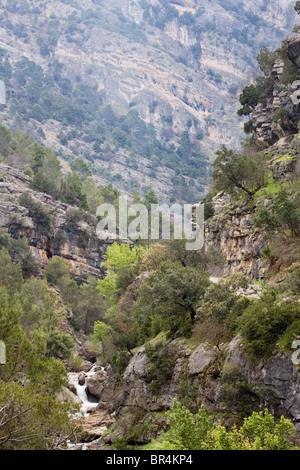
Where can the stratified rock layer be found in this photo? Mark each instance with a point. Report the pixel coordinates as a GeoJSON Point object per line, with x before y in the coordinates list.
{"type": "Point", "coordinates": [64, 239]}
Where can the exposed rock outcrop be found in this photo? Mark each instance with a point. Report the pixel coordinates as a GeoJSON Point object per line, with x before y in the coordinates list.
{"type": "Point", "coordinates": [278, 117]}
{"type": "Point", "coordinates": [279, 373]}
{"type": "Point", "coordinates": [66, 395]}
{"type": "Point", "coordinates": [76, 243]}
{"type": "Point", "coordinates": [96, 383]}
{"type": "Point", "coordinates": [95, 425]}
{"type": "Point", "coordinates": [234, 234]}
{"type": "Point", "coordinates": [197, 370]}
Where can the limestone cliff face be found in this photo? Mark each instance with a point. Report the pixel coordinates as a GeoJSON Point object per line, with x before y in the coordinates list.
{"type": "Point", "coordinates": [275, 125]}
{"type": "Point", "coordinates": [280, 374]}
{"type": "Point", "coordinates": [76, 243]}
{"type": "Point", "coordinates": [234, 234]}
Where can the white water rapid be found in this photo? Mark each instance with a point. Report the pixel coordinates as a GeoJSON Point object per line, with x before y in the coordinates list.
{"type": "Point", "coordinates": [88, 403]}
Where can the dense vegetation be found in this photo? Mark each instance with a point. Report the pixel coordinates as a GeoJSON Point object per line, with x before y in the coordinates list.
{"type": "Point", "coordinates": [152, 293]}
{"type": "Point", "coordinates": [199, 432]}
{"type": "Point", "coordinates": [31, 416]}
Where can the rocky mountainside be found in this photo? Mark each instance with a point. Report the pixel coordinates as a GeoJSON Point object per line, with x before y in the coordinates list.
{"type": "Point", "coordinates": [232, 229]}
{"type": "Point", "coordinates": [48, 226]}
{"type": "Point", "coordinates": [134, 88]}
{"type": "Point", "coordinates": [177, 65]}
{"type": "Point", "coordinates": [279, 115]}
{"type": "Point", "coordinates": [274, 125]}
{"type": "Point", "coordinates": [197, 372]}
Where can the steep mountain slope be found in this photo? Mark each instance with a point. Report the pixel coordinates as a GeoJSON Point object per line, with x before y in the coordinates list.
{"type": "Point", "coordinates": [177, 65]}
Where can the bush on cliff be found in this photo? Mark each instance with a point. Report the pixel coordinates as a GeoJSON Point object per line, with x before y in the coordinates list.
{"type": "Point", "coordinates": [260, 431]}
{"type": "Point", "coordinates": [238, 174]}
{"type": "Point", "coordinates": [40, 215]}
{"type": "Point", "coordinates": [264, 322]}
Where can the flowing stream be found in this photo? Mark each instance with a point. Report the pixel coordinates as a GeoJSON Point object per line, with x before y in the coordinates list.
{"type": "Point", "coordinates": [88, 403]}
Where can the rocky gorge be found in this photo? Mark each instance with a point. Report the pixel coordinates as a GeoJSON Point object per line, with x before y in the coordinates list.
{"type": "Point", "coordinates": [152, 324]}
{"type": "Point", "coordinates": [125, 407]}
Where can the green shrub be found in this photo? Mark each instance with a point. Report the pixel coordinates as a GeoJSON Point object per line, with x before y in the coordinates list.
{"type": "Point", "coordinates": [10, 273]}
{"type": "Point", "coordinates": [56, 269]}
{"type": "Point", "coordinates": [282, 214]}
{"type": "Point", "coordinates": [37, 212]}
{"type": "Point", "coordinates": [235, 392]}
{"type": "Point", "coordinates": [199, 431]}
{"type": "Point", "coordinates": [60, 345]}
{"type": "Point", "coordinates": [101, 332]}
{"type": "Point", "coordinates": [292, 333]}
{"type": "Point", "coordinates": [279, 114]}
{"type": "Point", "coordinates": [264, 322]}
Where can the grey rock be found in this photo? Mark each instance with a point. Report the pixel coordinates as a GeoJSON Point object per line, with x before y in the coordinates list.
{"type": "Point", "coordinates": [81, 378]}
{"type": "Point", "coordinates": [240, 242]}
{"type": "Point", "coordinates": [66, 395]}
{"type": "Point", "coordinates": [279, 374]}
{"type": "Point", "coordinates": [88, 352]}
{"type": "Point", "coordinates": [96, 383]}
{"type": "Point", "coordinates": [285, 169]}
{"type": "Point", "coordinates": [200, 359]}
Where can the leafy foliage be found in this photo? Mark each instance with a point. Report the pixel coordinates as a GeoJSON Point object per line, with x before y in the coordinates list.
{"type": "Point", "coordinates": [264, 322]}
{"type": "Point", "coordinates": [173, 293]}
{"type": "Point", "coordinates": [222, 305]}
{"type": "Point", "coordinates": [84, 300]}
{"type": "Point", "coordinates": [37, 211]}
{"type": "Point", "coordinates": [235, 173]}
{"type": "Point", "coordinates": [161, 366]}
{"type": "Point", "coordinates": [235, 392]}
{"type": "Point", "coordinates": [31, 418]}
{"type": "Point", "coordinates": [198, 431]}
{"type": "Point", "coordinates": [282, 214]}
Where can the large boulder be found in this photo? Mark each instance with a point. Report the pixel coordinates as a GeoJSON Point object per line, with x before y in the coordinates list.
{"type": "Point", "coordinates": [87, 351]}
{"type": "Point", "coordinates": [95, 425]}
{"type": "Point", "coordinates": [96, 383]}
{"type": "Point", "coordinates": [65, 396]}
